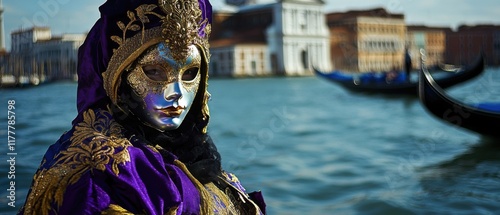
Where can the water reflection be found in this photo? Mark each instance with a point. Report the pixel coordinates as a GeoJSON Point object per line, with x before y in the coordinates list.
{"type": "Point", "coordinates": [485, 152]}
{"type": "Point", "coordinates": [469, 178]}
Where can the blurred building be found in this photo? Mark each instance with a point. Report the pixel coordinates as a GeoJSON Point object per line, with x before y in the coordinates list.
{"type": "Point", "coordinates": [240, 2]}
{"type": "Point", "coordinates": [2, 29]}
{"type": "Point", "coordinates": [238, 42]}
{"type": "Point", "coordinates": [59, 55]}
{"type": "Point", "coordinates": [431, 39]}
{"type": "Point", "coordinates": [284, 38]}
{"type": "Point", "coordinates": [367, 40]}
{"type": "Point", "coordinates": [35, 51]}
{"type": "Point", "coordinates": [464, 45]}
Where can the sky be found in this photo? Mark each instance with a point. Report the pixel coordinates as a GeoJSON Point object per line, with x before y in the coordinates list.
{"type": "Point", "coordinates": [77, 16]}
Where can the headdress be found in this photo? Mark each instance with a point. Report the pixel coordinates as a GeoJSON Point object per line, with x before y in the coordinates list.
{"type": "Point", "coordinates": [126, 29]}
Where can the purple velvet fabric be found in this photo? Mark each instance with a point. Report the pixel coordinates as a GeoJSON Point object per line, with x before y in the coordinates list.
{"type": "Point", "coordinates": [258, 199]}
{"type": "Point", "coordinates": [150, 183]}
{"type": "Point", "coordinates": [143, 187]}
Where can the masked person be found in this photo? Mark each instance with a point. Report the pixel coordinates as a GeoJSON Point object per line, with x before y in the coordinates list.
{"type": "Point", "coordinates": [139, 143]}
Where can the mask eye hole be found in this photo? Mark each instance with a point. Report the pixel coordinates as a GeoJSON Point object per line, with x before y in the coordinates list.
{"type": "Point", "coordinates": [190, 74]}
{"type": "Point", "coordinates": [155, 73]}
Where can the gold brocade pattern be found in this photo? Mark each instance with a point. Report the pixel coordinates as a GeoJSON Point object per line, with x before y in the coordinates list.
{"type": "Point", "coordinates": [96, 142]}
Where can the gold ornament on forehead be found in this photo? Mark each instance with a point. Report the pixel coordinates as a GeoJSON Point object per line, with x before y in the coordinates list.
{"type": "Point", "coordinates": [181, 20]}
{"type": "Point", "coordinates": [180, 26]}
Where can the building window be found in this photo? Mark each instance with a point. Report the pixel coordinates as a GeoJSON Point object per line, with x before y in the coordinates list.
{"type": "Point", "coordinates": [305, 61]}
{"type": "Point", "coordinates": [254, 67]}
{"type": "Point", "coordinates": [303, 20]}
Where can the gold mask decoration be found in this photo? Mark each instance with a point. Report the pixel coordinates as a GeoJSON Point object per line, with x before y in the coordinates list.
{"type": "Point", "coordinates": [181, 21]}
{"type": "Point", "coordinates": [141, 83]}
{"type": "Point", "coordinates": [184, 31]}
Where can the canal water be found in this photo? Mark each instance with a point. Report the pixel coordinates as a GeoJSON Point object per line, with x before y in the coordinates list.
{"type": "Point", "coordinates": [310, 146]}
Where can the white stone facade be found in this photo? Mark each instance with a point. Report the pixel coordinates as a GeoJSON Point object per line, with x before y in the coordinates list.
{"type": "Point", "coordinates": [240, 60]}
{"type": "Point", "coordinates": [23, 41]}
{"type": "Point", "coordinates": [296, 41]}
{"type": "Point", "coordinates": [299, 38]}
{"type": "Point", "coordinates": [40, 52]}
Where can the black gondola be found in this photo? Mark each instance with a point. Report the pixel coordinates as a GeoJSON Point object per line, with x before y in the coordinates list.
{"type": "Point", "coordinates": [378, 83]}
{"type": "Point", "coordinates": [482, 118]}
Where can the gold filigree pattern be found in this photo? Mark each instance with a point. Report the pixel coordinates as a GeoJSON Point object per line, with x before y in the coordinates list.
{"type": "Point", "coordinates": [105, 137]}
{"type": "Point", "coordinates": [141, 84]}
{"type": "Point", "coordinates": [136, 81]}
{"type": "Point", "coordinates": [96, 142]}
{"type": "Point", "coordinates": [181, 24]}
{"type": "Point", "coordinates": [142, 11]}
{"type": "Point", "coordinates": [179, 29]}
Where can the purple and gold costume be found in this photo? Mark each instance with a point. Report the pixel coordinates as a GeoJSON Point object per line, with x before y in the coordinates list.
{"type": "Point", "coordinates": [101, 166]}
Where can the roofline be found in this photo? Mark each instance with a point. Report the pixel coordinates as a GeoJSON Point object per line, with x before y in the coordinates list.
{"type": "Point", "coordinates": [31, 29]}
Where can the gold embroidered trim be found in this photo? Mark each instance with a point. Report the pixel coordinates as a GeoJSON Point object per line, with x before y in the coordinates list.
{"type": "Point", "coordinates": [119, 62]}
{"type": "Point", "coordinates": [206, 206]}
{"type": "Point", "coordinates": [173, 210]}
{"type": "Point", "coordinates": [96, 142]}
